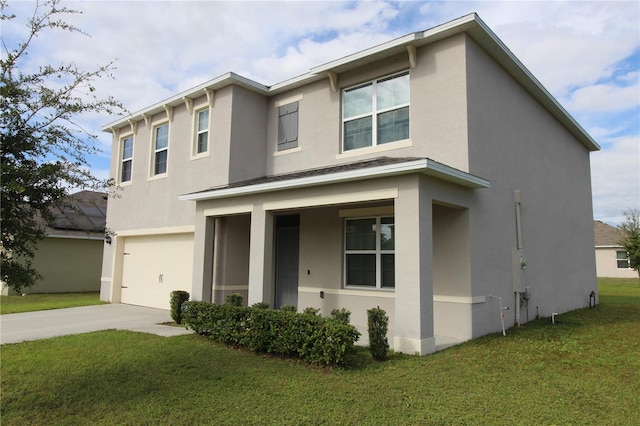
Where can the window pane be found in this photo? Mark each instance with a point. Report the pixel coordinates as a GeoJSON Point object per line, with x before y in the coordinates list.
{"type": "Point", "coordinates": [203, 120]}
{"type": "Point", "coordinates": [162, 137]}
{"type": "Point", "coordinates": [392, 92]}
{"type": "Point", "coordinates": [387, 233]}
{"type": "Point", "coordinates": [393, 125]}
{"type": "Point", "coordinates": [202, 141]}
{"type": "Point", "coordinates": [388, 270]}
{"type": "Point", "coordinates": [126, 171]}
{"type": "Point", "coordinates": [361, 269]}
{"type": "Point", "coordinates": [127, 148]}
{"type": "Point", "coordinates": [357, 133]}
{"type": "Point", "coordinates": [161, 162]}
{"type": "Point", "coordinates": [621, 255]}
{"type": "Point", "coordinates": [361, 234]}
{"type": "Point", "coordinates": [357, 101]}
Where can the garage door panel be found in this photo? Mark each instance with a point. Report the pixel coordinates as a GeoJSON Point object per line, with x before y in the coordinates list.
{"type": "Point", "coordinates": [154, 266]}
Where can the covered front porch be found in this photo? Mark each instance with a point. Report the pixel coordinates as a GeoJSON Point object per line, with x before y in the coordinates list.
{"type": "Point", "coordinates": [394, 237]}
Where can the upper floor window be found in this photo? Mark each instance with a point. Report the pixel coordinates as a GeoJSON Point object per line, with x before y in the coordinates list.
{"type": "Point", "coordinates": [127, 159]}
{"type": "Point", "coordinates": [288, 126]}
{"type": "Point", "coordinates": [370, 252]}
{"type": "Point", "coordinates": [161, 149]}
{"type": "Point", "coordinates": [202, 131]}
{"type": "Point", "coordinates": [376, 112]}
{"type": "Point", "coordinates": [622, 257]}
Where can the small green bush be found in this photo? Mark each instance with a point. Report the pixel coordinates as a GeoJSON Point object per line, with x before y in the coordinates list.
{"type": "Point", "coordinates": [314, 339]}
{"type": "Point", "coordinates": [311, 311]}
{"type": "Point", "coordinates": [260, 305]}
{"type": "Point", "coordinates": [378, 322]}
{"type": "Point", "coordinates": [178, 297]}
{"type": "Point", "coordinates": [289, 308]}
{"type": "Point", "coordinates": [234, 299]}
{"type": "Point", "coordinates": [343, 315]}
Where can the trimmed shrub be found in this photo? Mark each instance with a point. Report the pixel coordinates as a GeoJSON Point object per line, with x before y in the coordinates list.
{"type": "Point", "coordinates": [312, 338]}
{"type": "Point", "coordinates": [178, 297]}
{"type": "Point", "coordinates": [289, 308]}
{"type": "Point", "coordinates": [311, 311]}
{"type": "Point", "coordinates": [343, 315]}
{"type": "Point", "coordinates": [234, 299]}
{"type": "Point", "coordinates": [378, 322]}
{"type": "Point", "coordinates": [260, 305]}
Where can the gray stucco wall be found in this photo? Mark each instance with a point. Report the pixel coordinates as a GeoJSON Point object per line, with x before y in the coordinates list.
{"type": "Point", "coordinates": [517, 145]}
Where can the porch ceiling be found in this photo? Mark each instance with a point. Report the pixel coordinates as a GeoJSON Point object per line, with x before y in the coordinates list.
{"type": "Point", "coordinates": [362, 170]}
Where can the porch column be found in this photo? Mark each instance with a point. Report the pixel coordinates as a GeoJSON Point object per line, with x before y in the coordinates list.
{"type": "Point", "coordinates": [261, 256]}
{"type": "Point", "coordinates": [202, 258]}
{"type": "Point", "coordinates": [414, 269]}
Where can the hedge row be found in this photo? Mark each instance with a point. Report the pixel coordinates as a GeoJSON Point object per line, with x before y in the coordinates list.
{"type": "Point", "coordinates": [315, 339]}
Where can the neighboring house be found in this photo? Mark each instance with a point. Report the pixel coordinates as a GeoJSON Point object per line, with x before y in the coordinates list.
{"type": "Point", "coordinates": [421, 176]}
{"type": "Point", "coordinates": [612, 260]}
{"type": "Point", "coordinates": [70, 257]}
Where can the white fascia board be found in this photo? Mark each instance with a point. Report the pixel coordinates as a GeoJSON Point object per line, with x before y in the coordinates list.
{"type": "Point", "coordinates": [363, 54]}
{"type": "Point", "coordinates": [426, 166]}
{"type": "Point", "coordinates": [224, 80]}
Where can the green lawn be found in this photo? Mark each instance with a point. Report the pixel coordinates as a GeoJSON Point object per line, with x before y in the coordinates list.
{"type": "Point", "coordinates": [41, 302]}
{"type": "Point", "coordinates": [584, 370]}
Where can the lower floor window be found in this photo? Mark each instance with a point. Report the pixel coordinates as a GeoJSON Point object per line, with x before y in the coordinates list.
{"type": "Point", "coordinates": [369, 252]}
{"type": "Point", "coordinates": [623, 259]}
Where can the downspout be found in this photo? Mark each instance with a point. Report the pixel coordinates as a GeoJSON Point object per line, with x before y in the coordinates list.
{"type": "Point", "coordinates": [518, 254]}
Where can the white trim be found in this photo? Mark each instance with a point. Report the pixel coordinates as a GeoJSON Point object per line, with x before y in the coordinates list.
{"type": "Point", "coordinates": [406, 143]}
{"type": "Point", "coordinates": [383, 293]}
{"type": "Point", "coordinates": [426, 166]}
{"type": "Point", "coordinates": [187, 229]}
{"type": "Point", "coordinates": [367, 211]}
{"type": "Point", "coordinates": [287, 151]}
{"type": "Point", "coordinates": [287, 101]}
{"type": "Point", "coordinates": [153, 151]}
{"type": "Point", "coordinates": [231, 287]}
{"type": "Point", "coordinates": [459, 299]}
{"type": "Point", "coordinates": [327, 200]}
{"type": "Point", "coordinates": [225, 211]}
{"type": "Point", "coordinates": [106, 279]}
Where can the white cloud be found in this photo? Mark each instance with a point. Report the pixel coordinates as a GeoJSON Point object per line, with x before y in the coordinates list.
{"type": "Point", "coordinates": [604, 97]}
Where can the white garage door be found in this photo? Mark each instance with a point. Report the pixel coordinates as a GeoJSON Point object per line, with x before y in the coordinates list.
{"type": "Point", "coordinates": [155, 265]}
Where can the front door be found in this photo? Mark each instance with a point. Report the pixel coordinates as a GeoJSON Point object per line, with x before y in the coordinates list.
{"type": "Point", "coordinates": [287, 253]}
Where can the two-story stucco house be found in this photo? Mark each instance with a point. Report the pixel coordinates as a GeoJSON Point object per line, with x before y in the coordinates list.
{"type": "Point", "coordinates": [432, 176]}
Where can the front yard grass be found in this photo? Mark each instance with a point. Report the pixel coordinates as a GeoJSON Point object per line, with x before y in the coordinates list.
{"type": "Point", "coordinates": [585, 369]}
{"type": "Point", "coordinates": [41, 302]}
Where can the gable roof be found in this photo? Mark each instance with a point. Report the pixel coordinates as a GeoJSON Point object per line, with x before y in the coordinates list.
{"type": "Point", "coordinates": [607, 235]}
{"type": "Point", "coordinates": [79, 215]}
{"type": "Point", "coordinates": [470, 24]}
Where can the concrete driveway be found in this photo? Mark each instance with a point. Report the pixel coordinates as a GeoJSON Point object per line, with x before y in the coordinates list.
{"type": "Point", "coordinates": [26, 326]}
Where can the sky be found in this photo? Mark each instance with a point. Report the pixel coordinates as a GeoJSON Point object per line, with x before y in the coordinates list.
{"type": "Point", "coordinates": [586, 53]}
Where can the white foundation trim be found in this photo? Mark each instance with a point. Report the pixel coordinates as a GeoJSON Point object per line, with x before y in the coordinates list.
{"type": "Point", "coordinates": [459, 299]}
{"type": "Point", "coordinates": [414, 346]}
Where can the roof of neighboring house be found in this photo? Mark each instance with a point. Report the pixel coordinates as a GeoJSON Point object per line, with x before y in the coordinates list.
{"type": "Point", "coordinates": [366, 169]}
{"type": "Point", "coordinates": [470, 24]}
{"type": "Point", "coordinates": [607, 235]}
{"type": "Point", "coordinates": [79, 215]}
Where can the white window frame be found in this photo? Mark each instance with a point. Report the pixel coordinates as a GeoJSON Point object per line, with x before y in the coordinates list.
{"type": "Point", "coordinates": [378, 251]}
{"type": "Point", "coordinates": [122, 160]}
{"type": "Point", "coordinates": [627, 259]}
{"type": "Point", "coordinates": [197, 131]}
{"type": "Point", "coordinates": [154, 151]}
{"type": "Point", "coordinates": [374, 113]}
